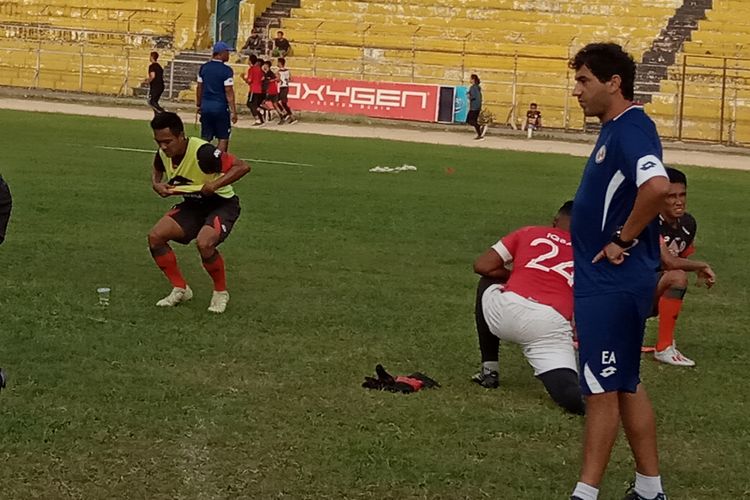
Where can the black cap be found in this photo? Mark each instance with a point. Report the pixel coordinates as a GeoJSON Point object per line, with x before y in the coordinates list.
{"type": "Point", "coordinates": [209, 159]}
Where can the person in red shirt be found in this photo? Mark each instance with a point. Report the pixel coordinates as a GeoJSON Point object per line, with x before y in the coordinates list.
{"type": "Point", "coordinates": [254, 79]}
{"type": "Point", "coordinates": [532, 305]}
{"type": "Point", "coordinates": [271, 89]}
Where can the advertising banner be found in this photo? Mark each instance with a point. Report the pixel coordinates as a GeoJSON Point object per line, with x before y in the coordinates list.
{"type": "Point", "coordinates": [461, 105]}
{"type": "Point", "coordinates": [402, 101]}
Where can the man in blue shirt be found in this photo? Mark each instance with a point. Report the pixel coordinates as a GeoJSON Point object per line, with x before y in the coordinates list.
{"type": "Point", "coordinates": [616, 257]}
{"type": "Point", "coordinates": [214, 97]}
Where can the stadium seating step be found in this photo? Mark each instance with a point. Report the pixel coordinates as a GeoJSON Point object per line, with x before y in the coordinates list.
{"type": "Point", "coordinates": [272, 16]}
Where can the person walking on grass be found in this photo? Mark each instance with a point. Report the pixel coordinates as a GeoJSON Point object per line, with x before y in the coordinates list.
{"type": "Point", "coordinates": [475, 107]}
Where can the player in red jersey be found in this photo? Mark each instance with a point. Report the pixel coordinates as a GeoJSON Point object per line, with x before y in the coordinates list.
{"type": "Point", "coordinates": [677, 228]}
{"type": "Point", "coordinates": [532, 305]}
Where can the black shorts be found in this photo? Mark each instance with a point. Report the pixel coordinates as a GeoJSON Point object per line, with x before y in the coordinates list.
{"type": "Point", "coordinates": [195, 213]}
{"type": "Point", "coordinates": [274, 98]}
{"type": "Point", "coordinates": [254, 100]}
{"type": "Point", "coordinates": [284, 94]}
{"type": "Point", "coordinates": [6, 204]}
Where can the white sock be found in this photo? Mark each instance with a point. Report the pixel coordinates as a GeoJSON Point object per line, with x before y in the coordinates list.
{"type": "Point", "coordinates": [648, 486]}
{"type": "Point", "coordinates": [585, 492]}
{"type": "Point", "coordinates": [490, 366]}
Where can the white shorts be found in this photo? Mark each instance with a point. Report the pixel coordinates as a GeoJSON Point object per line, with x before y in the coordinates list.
{"type": "Point", "coordinates": [545, 335]}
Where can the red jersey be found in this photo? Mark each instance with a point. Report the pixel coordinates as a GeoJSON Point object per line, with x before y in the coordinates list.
{"type": "Point", "coordinates": [542, 260]}
{"type": "Point", "coordinates": [255, 75]}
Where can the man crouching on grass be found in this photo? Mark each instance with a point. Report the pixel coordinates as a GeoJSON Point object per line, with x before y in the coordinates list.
{"type": "Point", "coordinates": [203, 175]}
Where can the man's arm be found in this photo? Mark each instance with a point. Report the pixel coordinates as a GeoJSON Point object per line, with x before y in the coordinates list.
{"type": "Point", "coordinates": [157, 175]}
{"type": "Point", "coordinates": [650, 200]}
{"type": "Point", "coordinates": [671, 262]}
{"type": "Point", "coordinates": [229, 91]}
{"type": "Point", "coordinates": [491, 265]}
{"type": "Point", "coordinates": [198, 95]}
{"type": "Point", "coordinates": [236, 171]}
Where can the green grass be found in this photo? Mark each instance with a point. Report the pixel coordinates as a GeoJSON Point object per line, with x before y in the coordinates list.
{"type": "Point", "coordinates": [332, 270]}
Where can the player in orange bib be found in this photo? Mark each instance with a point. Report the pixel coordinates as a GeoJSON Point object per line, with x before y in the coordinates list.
{"type": "Point", "coordinates": [203, 175]}
{"type": "Point", "coordinates": [531, 306]}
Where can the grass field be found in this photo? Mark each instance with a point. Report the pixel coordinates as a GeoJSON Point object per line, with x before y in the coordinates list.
{"type": "Point", "coordinates": [332, 270]}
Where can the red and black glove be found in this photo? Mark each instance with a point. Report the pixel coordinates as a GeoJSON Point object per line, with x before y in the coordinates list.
{"type": "Point", "coordinates": [404, 384]}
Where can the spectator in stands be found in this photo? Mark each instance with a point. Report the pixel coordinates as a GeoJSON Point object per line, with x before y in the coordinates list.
{"type": "Point", "coordinates": [475, 107]}
{"type": "Point", "coordinates": [253, 46]}
{"type": "Point", "coordinates": [281, 46]}
{"type": "Point", "coordinates": [285, 76]}
{"type": "Point", "coordinates": [155, 82]}
{"type": "Point", "coordinates": [254, 80]}
{"type": "Point", "coordinates": [533, 118]}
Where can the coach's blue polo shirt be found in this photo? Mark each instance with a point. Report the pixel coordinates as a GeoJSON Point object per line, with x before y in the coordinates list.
{"type": "Point", "coordinates": [215, 76]}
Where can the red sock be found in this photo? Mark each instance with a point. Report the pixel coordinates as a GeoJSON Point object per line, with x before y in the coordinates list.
{"type": "Point", "coordinates": [215, 269]}
{"type": "Point", "coordinates": [669, 309]}
{"type": "Point", "coordinates": [168, 265]}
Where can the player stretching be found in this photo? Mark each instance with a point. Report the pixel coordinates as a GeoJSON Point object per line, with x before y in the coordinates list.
{"type": "Point", "coordinates": [202, 174]}
{"type": "Point", "coordinates": [678, 230]}
{"type": "Point", "coordinates": [533, 309]}
{"type": "Point", "coordinates": [616, 252]}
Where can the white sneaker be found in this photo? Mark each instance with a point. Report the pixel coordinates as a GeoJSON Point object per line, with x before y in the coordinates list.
{"type": "Point", "coordinates": [672, 356]}
{"type": "Point", "coordinates": [176, 296]}
{"type": "Point", "coordinates": [483, 131]}
{"type": "Point", "coordinates": [219, 301]}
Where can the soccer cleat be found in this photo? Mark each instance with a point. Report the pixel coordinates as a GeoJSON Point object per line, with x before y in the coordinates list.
{"type": "Point", "coordinates": [672, 356]}
{"type": "Point", "coordinates": [219, 301]}
{"type": "Point", "coordinates": [3, 378]}
{"type": "Point", "coordinates": [176, 296]}
{"type": "Point", "coordinates": [479, 138]}
{"type": "Point", "coordinates": [483, 131]}
{"type": "Point", "coordinates": [488, 380]}
{"type": "Point", "coordinates": [292, 120]}
{"type": "Point", "coordinates": [632, 495]}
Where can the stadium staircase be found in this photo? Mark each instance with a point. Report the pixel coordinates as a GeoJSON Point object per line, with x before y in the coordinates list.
{"type": "Point", "coordinates": [656, 61]}
{"type": "Point", "coordinates": [272, 16]}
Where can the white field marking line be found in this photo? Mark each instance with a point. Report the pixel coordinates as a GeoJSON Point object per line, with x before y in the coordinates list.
{"type": "Point", "coordinates": [136, 150]}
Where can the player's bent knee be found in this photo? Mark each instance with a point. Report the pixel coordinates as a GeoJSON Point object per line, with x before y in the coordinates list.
{"type": "Point", "coordinates": [156, 240]}
{"type": "Point", "coordinates": [677, 279]}
{"type": "Point", "coordinates": [206, 246]}
{"type": "Point", "coordinates": [563, 387]}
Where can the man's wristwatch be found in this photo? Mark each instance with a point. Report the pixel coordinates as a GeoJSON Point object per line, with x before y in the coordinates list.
{"type": "Point", "coordinates": [617, 240]}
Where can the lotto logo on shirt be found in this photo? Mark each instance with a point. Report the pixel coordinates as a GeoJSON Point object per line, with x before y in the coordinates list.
{"type": "Point", "coordinates": [378, 99]}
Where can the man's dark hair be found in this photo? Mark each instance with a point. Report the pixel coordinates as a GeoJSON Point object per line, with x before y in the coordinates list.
{"type": "Point", "coordinates": [566, 209]}
{"type": "Point", "coordinates": [279, 32]}
{"type": "Point", "coordinates": [253, 59]}
{"type": "Point", "coordinates": [606, 60]}
{"type": "Point", "coordinates": [155, 56]}
{"type": "Point", "coordinates": [476, 78]}
{"type": "Point", "coordinates": [168, 120]}
{"type": "Point", "coordinates": [676, 176]}
{"type": "Point", "coordinates": [533, 104]}
{"type": "Point", "coordinates": [282, 61]}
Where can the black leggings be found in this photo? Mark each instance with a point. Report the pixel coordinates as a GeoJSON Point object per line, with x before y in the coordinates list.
{"type": "Point", "coordinates": [153, 99]}
{"type": "Point", "coordinates": [561, 383]}
{"type": "Point", "coordinates": [473, 120]}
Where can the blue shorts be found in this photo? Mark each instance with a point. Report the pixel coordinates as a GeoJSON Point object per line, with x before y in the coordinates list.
{"type": "Point", "coordinates": [215, 124]}
{"type": "Point", "coordinates": [610, 331]}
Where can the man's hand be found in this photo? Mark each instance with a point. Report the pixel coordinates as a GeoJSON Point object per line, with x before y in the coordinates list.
{"type": "Point", "coordinates": [208, 189]}
{"type": "Point", "coordinates": [613, 252]}
{"type": "Point", "coordinates": [234, 117]}
{"type": "Point", "coordinates": [706, 276]}
{"type": "Point", "coordinates": [163, 189]}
